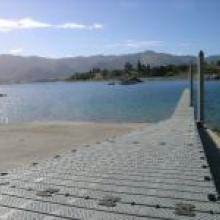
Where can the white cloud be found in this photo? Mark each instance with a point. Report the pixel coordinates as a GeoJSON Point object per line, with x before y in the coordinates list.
{"type": "Point", "coordinates": [137, 44]}
{"type": "Point", "coordinates": [80, 26]}
{"type": "Point", "coordinates": [24, 23]}
{"type": "Point", "coordinates": [96, 26]}
{"type": "Point", "coordinates": [7, 25]}
{"type": "Point", "coordinates": [72, 26]}
{"type": "Point", "coordinates": [140, 44]}
{"type": "Point", "coordinates": [17, 51]}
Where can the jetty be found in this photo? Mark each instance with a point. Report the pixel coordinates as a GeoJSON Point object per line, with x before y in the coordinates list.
{"type": "Point", "coordinates": [158, 173]}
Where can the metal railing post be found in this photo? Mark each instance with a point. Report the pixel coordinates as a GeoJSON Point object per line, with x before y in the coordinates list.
{"type": "Point", "coordinates": [191, 84]}
{"type": "Point", "coordinates": [200, 98]}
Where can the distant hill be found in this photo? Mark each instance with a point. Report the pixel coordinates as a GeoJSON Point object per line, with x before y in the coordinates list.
{"type": "Point", "coordinates": [16, 69]}
{"type": "Point", "coordinates": [213, 58]}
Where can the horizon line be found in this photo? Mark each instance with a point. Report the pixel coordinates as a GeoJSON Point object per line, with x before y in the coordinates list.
{"type": "Point", "coordinates": [102, 54]}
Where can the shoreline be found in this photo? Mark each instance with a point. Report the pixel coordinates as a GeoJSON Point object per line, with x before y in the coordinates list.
{"type": "Point", "coordinates": [24, 143]}
{"type": "Point", "coordinates": [170, 78]}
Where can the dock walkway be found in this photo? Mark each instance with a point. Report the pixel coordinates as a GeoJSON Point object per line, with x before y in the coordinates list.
{"type": "Point", "coordinates": [158, 173]}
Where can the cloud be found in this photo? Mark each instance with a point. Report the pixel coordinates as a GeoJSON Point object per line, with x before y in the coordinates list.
{"type": "Point", "coordinates": [137, 44]}
{"type": "Point", "coordinates": [7, 25]}
{"type": "Point", "coordinates": [80, 26]}
{"type": "Point", "coordinates": [96, 26]}
{"type": "Point", "coordinates": [24, 23]}
{"type": "Point", "coordinates": [16, 51]}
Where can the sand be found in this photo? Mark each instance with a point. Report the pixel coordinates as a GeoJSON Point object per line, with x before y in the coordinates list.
{"type": "Point", "coordinates": [24, 143]}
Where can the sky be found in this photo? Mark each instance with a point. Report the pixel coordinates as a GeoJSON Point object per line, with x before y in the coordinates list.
{"type": "Point", "coordinates": [66, 28]}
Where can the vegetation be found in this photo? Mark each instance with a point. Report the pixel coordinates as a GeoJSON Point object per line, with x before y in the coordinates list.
{"type": "Point", "coordinates": [140, 71]}
{"type": "Point", "coordinates": [213, 68]}
{"type": "Point", "coordinates": [129, 71]}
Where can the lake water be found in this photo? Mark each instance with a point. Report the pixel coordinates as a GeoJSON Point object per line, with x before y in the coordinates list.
{"type": "Point", "coordinates": [96, 101]}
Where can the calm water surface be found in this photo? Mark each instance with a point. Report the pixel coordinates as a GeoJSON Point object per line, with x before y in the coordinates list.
{"type": "Point", "coordinates": [96, 101]}
{"type": "Point", "coordinates": [212, 104]}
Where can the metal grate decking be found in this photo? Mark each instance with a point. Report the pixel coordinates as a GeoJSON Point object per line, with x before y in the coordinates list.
{"type": "Point", "coordinates": [159, 173]}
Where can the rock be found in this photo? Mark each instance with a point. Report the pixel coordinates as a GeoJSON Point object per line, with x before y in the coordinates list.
{"type": "Point", "coordinates": [131, 81]}
{"type": "Point", "coordinates": [111, 83]}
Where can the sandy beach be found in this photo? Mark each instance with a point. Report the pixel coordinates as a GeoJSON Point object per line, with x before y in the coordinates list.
{"type": "Point", "coordinates": [24, 143]}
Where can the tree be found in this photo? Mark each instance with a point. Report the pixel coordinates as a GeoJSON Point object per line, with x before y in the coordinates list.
{"type": "Point", "coordinates": [116, 73]}
{"type": "Point", "coordinates": [128, 67]}
{"type": "Point", "coordinates": [105, 73]}
{"type": "Point", "coordinates": [146, 70]}
{"type": "Point", "coordinates": [96, 70]}
{"type": "Point", "coordinates": [139, 66]}
{"type": "Point", "coordinates": [218, 63]}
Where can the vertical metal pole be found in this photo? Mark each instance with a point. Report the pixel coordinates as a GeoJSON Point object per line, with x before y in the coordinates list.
{"type": "Point", "coordinates": [191, 84]}
{"type": "Point", "coordinates": [200, 103]}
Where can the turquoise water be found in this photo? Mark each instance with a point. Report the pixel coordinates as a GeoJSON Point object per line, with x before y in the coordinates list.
{"type": "Point", "coordinates": [96, 101]}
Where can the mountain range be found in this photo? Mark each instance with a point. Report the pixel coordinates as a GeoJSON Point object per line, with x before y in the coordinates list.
{"type": "Point", "coordinates": [21, 69]}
